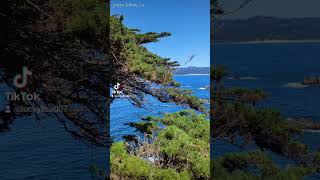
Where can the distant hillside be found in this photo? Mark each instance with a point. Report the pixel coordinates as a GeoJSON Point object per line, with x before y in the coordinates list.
{"type": "Point", "coordinates": [262, 28]}
{"type": "Point", "coordinates": [192, 70]}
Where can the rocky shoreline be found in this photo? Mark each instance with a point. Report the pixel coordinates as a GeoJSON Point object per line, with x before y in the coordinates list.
{"type": "Point", "coordinates": [311, 80]}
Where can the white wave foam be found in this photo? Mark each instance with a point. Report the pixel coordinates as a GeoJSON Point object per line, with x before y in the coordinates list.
{"type": "Point", "coordinates": [204, 88]}
{"type": "Point", "coordinates": [296, 85]}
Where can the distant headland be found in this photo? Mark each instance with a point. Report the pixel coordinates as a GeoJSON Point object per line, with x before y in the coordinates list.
{"type": "Point", "coordinates": [192, 71]}
{"type": "Point", "coordinates": [262, 29]}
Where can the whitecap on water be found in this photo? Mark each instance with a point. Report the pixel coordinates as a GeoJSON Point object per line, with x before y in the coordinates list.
{"type": "Point", "coordinates": [204, 88]}
{"type": "Point", "coordinates": [296, 85]}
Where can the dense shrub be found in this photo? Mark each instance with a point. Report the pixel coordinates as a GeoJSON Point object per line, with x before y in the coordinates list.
{"type": "Point", "coordinates": [179, 150]}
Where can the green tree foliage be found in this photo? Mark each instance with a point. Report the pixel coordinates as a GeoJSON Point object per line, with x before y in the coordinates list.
{"type": "Point", "coordinates": [237, 120]}
{"type": "Point", "coordinates": [76, 53]}
{"type": "Point", "coordinates": [246, 95]}
{"type": "Point", "coordinates": [143, 72]}
{"type": "Point", "coordinates": [178, 151]}
{"type": "Point", "coordinates": [82, 17]}
{"type": "Point", "coordinates": [58, 40]}
{"type": "Point", "coordinates": [255, 165]}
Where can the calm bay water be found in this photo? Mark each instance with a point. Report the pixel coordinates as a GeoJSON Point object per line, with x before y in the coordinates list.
{"type": "Point", "coordinates": [271, 67]}
{"type": "Point", "coordinates": [44, 150]}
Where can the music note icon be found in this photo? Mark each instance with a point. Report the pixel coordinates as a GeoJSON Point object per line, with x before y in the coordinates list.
{"type": "Point", "coordinates": [21, 80]}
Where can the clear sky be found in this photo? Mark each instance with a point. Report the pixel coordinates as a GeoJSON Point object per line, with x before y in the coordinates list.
{"type": "Point", "coordinates": [187, 20]}
{"type": "Point", "coordinates": [277, 8]}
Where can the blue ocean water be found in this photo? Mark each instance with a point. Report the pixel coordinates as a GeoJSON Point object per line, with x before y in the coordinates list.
{"type": "Point", "coordinates": [272, 67]}
{"type": "Point", "coordinates": [44, 150]}
{"type": "Point", "coordinates": [123, 112]}
{"type": "Point", "coordinates": [33, 150]}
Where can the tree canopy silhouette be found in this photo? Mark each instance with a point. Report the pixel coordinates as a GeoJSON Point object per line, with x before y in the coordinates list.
{"type": "Point", "coordinates": [237, 119]}
{"type": "Point", "coordinates": [77, 53]}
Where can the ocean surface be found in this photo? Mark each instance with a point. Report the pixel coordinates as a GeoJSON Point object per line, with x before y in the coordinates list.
{"type": "Point", "coordinates": [34, 150]}
{"type": "Point", "coordinates": [123, 112]}
{"type": "Point", "coordinates": [277, 69]}
{"type": "Point", "coordinates": [43, 150]}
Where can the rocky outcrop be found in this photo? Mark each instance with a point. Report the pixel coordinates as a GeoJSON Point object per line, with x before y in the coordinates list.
{"type": "Point", "coordinates": [303, 124]}
{"type": "Point", "coordinates": [311, 80]}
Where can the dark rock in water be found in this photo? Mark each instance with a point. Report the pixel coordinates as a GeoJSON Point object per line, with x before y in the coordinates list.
{"type": "Point", "coordinates": [303, 123]}
{"type": "Point", "coordinates": [311, 80]}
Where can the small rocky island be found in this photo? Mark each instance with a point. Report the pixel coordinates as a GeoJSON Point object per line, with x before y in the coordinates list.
{"type": "Point", "coordinates": [305, 124]}
{"type": "Point", "coordinates": [311, 80]}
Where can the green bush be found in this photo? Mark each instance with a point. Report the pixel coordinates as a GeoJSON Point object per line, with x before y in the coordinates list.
{"type": "Point", "coordinates": [125, 165]}
{"type": "Point", "coordinates": [169, 174]}
{"type": "Point", "coordinates": [183, 145]}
